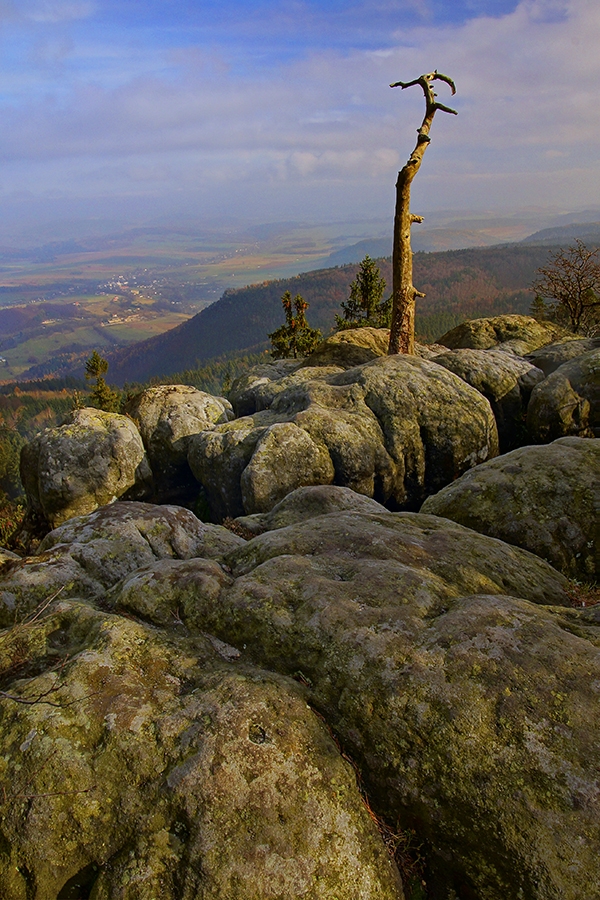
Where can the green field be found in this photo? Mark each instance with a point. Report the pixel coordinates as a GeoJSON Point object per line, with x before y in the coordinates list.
{"type": "Point", "coordinates": [73, 297]}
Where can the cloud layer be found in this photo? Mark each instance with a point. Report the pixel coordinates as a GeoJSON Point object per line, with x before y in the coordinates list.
{"type": "Point", "coordinates": [99, 103]}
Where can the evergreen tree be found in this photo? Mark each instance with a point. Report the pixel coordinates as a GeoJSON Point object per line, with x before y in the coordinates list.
{"type": "Point", "coordinates": [296, 337]}
{"type": "Point", "coordinates": [540, 310]}
{"type": "Point", "coordinates": [10, 453]}
{"type": "Point", "coordinates": [366, 305]}
{"type": "Point", "coordinates": [102, 397]}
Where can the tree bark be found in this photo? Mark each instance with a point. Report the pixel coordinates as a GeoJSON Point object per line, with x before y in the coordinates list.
{"type": "Point", "coordinates": [402, 332]}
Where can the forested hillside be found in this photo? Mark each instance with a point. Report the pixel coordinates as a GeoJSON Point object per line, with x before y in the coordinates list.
{"type": "Point", "coordinates": [458, 284]}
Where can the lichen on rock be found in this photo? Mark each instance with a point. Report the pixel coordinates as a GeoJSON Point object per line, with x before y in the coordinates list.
{"type": "Point", "coordinates": [567, 402]}
{"type": "Point", "coordinates": [166, 415]}
{"type": "Point", "coordinates": [93, 459]}
{"type": "Point", "coordinates": [542, 498]}
{"type": "Point", "coordinates": [153, 768]}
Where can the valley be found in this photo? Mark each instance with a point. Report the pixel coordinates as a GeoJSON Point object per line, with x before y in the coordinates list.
{"type": "Point", "coordinates": [134, 295]}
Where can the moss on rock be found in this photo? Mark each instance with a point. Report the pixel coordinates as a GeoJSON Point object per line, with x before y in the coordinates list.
{"type": "Point", "coordinates": [153, 768]}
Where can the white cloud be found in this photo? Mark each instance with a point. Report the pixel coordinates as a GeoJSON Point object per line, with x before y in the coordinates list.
{"type": "Point", "coordinates": [53, 11]}
{"type": "Point", "coordinates": [527, 131]}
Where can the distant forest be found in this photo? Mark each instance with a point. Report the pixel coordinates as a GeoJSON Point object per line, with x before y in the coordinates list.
{"type": "Point", "coordinates": [459, 285]}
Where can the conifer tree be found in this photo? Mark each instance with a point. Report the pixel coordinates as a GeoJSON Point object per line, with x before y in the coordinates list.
{"type": "Point", "coordinates": [102, 397]}
{"type": "Point", "coordinates": [296, 337]}
{"type": "Point", "coordinates": [366, 305]}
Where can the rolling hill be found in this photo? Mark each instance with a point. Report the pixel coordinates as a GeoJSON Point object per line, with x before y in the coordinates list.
{"type": "Point", "coordinates": [459, 284]}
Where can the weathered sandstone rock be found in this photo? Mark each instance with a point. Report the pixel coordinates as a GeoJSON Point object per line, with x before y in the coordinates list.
{"type": "Point", "coordinates": [166, 415]}
{"type": "Point", "coordinates": [71, 470]}
{"type": "Point", "coordinates": [567, 401]}
{"type": "Point", "coordinates": [350, 347]}
{"type": "Point", "coordinates": [88, 554]}
{"type": "Point", "coordinates": [541, 498]}
{"type": "Point", "coordinates": [258, 388]}
{"type": "Point", "coordinates": [437, 656]}
{"type": "Point", "coordinates": [506, 380]}
{"type": "Point", "coordinates": [395, 429]}
{"type": "Point", "coordinates": [306, 503]}
{"type": "Point", "coordinates": [243, 388]}
{"type": "Point", "coordinates": [549, 358]}
{"type": "Point", "coordinates": [516, 334]}
{"type": "Point", "coordinates": [154, 768]}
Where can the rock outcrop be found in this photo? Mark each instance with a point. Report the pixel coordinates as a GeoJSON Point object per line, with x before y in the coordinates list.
{"type": "Point", "coordinates": [435, 654]}
{"type": "Point", "coordinates": [93, 459]}
{"type": "Point", "coordinates": [541, 498]}
{"type": "Point", "coordinates": [515, 334]}
{"type": "Point", "coordinates": [395, 429]}
{"type": "Point", "coordinates": [257, 389]}
{"type": "Point", "coordinates": [567, 401]}
{"type": "Point", "coordinates": [166, 415]}
{"type": "Point", "coordinates": [306, 503]}
{"type": "Point", "coordinates": [89, 554]}
{"type": "Point", "coordinates": [350, 347]}
{"type": "Point", "coordinates": [550, 357]}
{"type": "Point", "coordinates": [154, 768]}
{"type": "Point", "coordinates": [505, 380]}
{"type": "Point", "coordinates": [165, 717]}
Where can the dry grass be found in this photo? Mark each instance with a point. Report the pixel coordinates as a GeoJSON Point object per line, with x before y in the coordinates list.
{"type": "Point", "coordinates": [237, 528]}
{"type": "Point", "coordinates": [583, 594]}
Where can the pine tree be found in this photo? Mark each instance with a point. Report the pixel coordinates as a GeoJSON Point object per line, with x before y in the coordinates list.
{"type": "Point", "coordinates": [540, 310]}
{"type": "Point", "coordinates": [296, 337]}
{"type": "Point", "coordinates": [366, 305]}
{"type": "Point", "coordinates": [102, 397]}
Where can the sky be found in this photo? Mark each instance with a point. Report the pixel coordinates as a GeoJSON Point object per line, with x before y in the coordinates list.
{"type": "Point", "coordinates": [282, 110]}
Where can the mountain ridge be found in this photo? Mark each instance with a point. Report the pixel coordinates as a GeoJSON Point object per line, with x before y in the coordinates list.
{"type": "Point", "coordinates": [467, 283]}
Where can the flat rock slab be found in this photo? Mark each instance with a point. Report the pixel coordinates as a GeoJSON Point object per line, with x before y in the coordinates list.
{"type": "Point", "coordinates": [541, 498]}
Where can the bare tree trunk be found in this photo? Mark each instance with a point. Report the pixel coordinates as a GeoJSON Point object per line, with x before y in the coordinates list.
{"type": "Point", "coordinates": [402, 333]}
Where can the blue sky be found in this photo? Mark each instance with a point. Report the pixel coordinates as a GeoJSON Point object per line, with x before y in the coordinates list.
{"type": "Point", "coordinates": [282, 110]}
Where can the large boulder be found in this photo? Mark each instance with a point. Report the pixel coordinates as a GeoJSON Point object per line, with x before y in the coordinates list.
{"type": "Point", "coordinates": [541, 498]}
{"type": "Point", "coordinates": [395, 429]}
{"type": "Point", "coordinates": [450, 672]}
{"type": "Point", "coordinates": [515, 334]}
{"type": "Point", "coordinates": [93, 459]}
{"type": "Point", "coordinates": [257, 389]}
{"type": "Point", "coordinates": [507, 381]}
{"type": "Point", "coordinates": [567, 401]}
{"type": "Point", "coordinates": [350, 347]}
{"type": "Point", "coordinates": [306, 503]}
{"type": "Point", "coordinates": [154, 766]}
{"type": "Point", "coordinates": [89, 554]}
{"type": "Point", "coordinates": [166, 415]}
{"type": "Point", "coordinates": [550, 357]}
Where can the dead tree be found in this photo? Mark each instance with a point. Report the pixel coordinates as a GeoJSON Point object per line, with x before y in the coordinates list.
{"type": "Point", "coordinates": [402, 334]}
